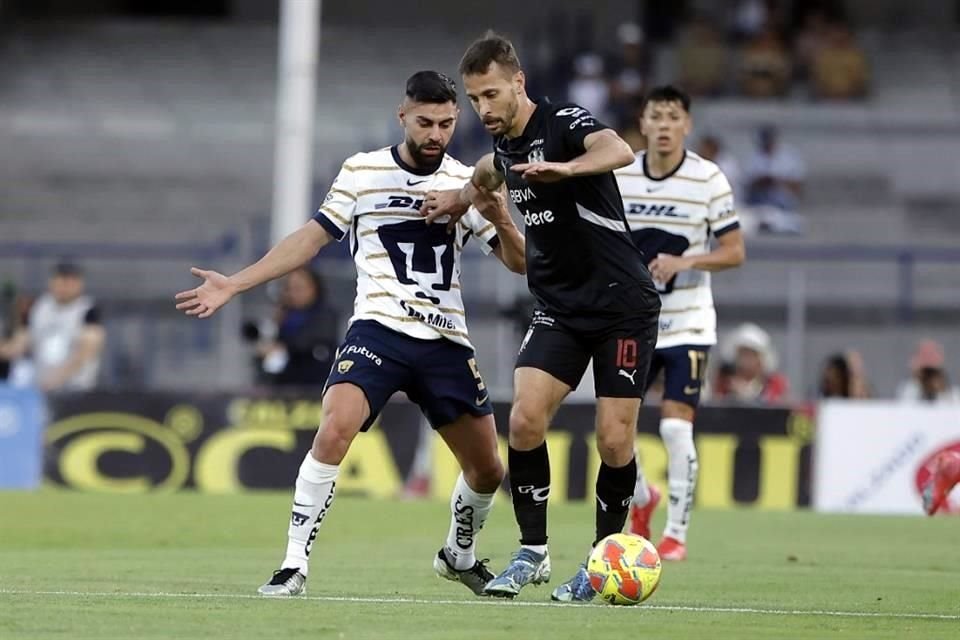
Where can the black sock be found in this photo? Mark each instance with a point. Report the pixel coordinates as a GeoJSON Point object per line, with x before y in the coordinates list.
{"type": "Point", "coordinates": [614, 491]}
{"type": "Point", "coordinates": [529, 487]}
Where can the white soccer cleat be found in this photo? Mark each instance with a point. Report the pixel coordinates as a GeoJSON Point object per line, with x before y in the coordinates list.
{"type": "Point", "coordinates": [285, 583]}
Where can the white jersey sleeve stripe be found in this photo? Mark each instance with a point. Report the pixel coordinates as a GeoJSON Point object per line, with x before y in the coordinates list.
{"type": "Point", "coordinates": [345, 194]}
{"type": "Point", "coordinates": [412, 192]}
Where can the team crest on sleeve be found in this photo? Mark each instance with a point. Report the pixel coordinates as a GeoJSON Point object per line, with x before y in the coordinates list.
{"type": "Point", "coordinates": [344, 366]}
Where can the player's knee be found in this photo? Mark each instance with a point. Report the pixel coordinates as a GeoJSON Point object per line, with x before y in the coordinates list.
{"type": "Point", "coordinates": [615, 446]}
{"type": "Point", "coordinates": [527, 430]}
{"type": "Point", "coordinates": [334, 436]}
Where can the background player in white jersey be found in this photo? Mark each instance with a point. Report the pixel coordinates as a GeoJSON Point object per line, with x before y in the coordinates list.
{"type": "Point", "coordinates": [674, 201]}
{"type": "Point", "coordinates": [407, 332]}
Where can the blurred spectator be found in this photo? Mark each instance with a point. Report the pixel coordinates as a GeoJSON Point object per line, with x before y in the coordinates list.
{"type": "Point", "coordinates": [629, 69]}
{"type": "Point", "coordinates": [749, 373]}
{"type": "Point", "coordinates": [711, 148]}
{"type": "Point", "coordinates": [810, 40]}
{"type": "Point", "coordinates": [589, 88]}
{"type": "Point", "coordinates": [843, 376]}
{"type": "Point", "coordinates": [765, 66]}
{"type": "Point", "coordinates": [702, 59]}
{"type": "Point", "coordinates": [15, 309]}
{"type": "Point", "coordinates": [839, 68]}
{"type": "Point", "coordinates": [64, 334]}
{"type": "Point", "coordinates": [774, 181]}
{"type": "Point", "coordinates": [750, 17]}
{"type": "Point", "coordinates": [929, 381]}
{"type": "Point", "coordinates": [297, 347]}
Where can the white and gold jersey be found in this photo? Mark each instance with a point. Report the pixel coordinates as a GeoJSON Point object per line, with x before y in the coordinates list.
{"type": "Point", "coordinates": [677, 214]}
{"type": "Point", "coordinates": [408, 272]}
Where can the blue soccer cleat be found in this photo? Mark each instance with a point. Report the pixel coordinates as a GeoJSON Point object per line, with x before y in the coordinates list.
{"type": "Point", "coordinates": [576, 589]}
{"type": "Point", "coordinates": [526, 567]}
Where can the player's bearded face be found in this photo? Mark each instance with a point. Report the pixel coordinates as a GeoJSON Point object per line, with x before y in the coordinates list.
{"type": "Point", "coordinates": [495, 96]}
{"type": "Point", "coordinates": [428, 129]}
{"type": "Point", "coordinates": [665, 125]}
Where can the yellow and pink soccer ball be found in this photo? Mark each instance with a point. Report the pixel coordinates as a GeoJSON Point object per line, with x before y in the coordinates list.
{"type": "Point", "coordinates": [624, 569]}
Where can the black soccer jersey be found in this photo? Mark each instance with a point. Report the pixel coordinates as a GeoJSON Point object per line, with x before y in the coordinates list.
{"type": "Point", "coordinates": [581, 260]}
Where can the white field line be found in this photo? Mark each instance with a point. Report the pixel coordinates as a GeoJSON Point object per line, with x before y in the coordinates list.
{"type": "Point", "coordinates": [486, 602]}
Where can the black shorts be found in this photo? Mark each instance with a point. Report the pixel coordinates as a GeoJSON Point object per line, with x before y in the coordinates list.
{"type": "Point", "coordinates": [440, 376]}
{"type": "Point", "coordinates": [683, 368]}
{"type": "Point", "coordinates": [621, 349]}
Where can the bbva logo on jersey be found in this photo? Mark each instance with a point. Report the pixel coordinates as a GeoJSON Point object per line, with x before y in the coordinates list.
{"type": "Point", "coordinates": [400, 202]}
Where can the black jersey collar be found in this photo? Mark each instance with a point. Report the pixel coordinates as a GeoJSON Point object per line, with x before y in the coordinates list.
{"type": "Point", "coordinates": [417, 171]}
{"type": "Point", "coordinates": [670, 173]}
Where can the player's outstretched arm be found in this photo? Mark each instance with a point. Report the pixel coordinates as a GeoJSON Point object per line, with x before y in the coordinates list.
{"type": "Point", "coordinates": [455, 203]}
{"type": "Point", "coordinates": [605, 151]}
{"type": "Point", "coordinates": [511, 249]}
{"type": "Point", "coordinates": [288, 254]}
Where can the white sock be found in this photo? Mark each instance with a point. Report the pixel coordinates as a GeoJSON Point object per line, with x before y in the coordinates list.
{"type": "Point", "coordinates": [469, 511]}
{"type": "Point", "coordinates": [315, 488]}
{"type": "Point", "coordinates": [677, 437]}
{"type": "Point", "coordinates": [536, 548]}
{"type": "Point", "coordinates": [641, 491]}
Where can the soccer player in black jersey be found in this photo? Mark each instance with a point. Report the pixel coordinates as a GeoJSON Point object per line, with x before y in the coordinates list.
{"type": "Point", "coordinates": [595, 298]}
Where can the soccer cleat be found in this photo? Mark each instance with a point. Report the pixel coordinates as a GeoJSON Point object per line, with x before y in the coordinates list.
{"type": "Point", "coordinates": [672, 550]}
{"type": "Point", "coordinates": [526, 567]}
{"type": "Point", "coordinates": [284, 583]}
{"type": "Point", "coordinates": [475, 578]}
{"type": "Point", "coordinates": [945, 476]}
{"type": "Point", "coordinates": [640, 516]}
{"type": "Point", "coordinates": [576, 589]}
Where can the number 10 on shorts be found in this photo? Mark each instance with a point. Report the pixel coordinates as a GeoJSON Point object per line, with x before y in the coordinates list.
{"type": "Point", "coordinates": [626, 353]}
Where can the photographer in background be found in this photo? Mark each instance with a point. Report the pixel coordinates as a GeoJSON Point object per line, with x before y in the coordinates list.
{"type": "Point", "coordinates": [296, 347]}
{"type": "Point", "coordinates": [64, 334]}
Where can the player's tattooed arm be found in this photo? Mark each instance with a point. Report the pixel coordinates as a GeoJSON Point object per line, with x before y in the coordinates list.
{"type": "Point", "coordinates": [455, 203]}
{"type": "Point", "coordinates": [485, 175]}
{"type": "Point", "coordinates": [288, 254]}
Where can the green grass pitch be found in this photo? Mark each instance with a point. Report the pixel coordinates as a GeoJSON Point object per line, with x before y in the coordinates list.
{"type": "Point", "coordinates": [75, 565]}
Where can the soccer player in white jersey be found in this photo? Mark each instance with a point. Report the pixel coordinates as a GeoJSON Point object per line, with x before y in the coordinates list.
{"type": "Point", "coordinates": [674, 202]}
{"type": "Point", "coordinates": [408, 331]}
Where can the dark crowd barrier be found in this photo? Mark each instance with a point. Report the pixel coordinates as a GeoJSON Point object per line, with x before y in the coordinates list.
{"type": "Point", "coordinates": [212, 442]}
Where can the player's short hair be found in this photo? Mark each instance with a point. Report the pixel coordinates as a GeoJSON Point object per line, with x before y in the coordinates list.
{"type": "Point", "coordinates": [431, 87]}
{"type": "Point", "coordinates": [666, 93]}
{"type": "Point", "coordinates": [492, 47]}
